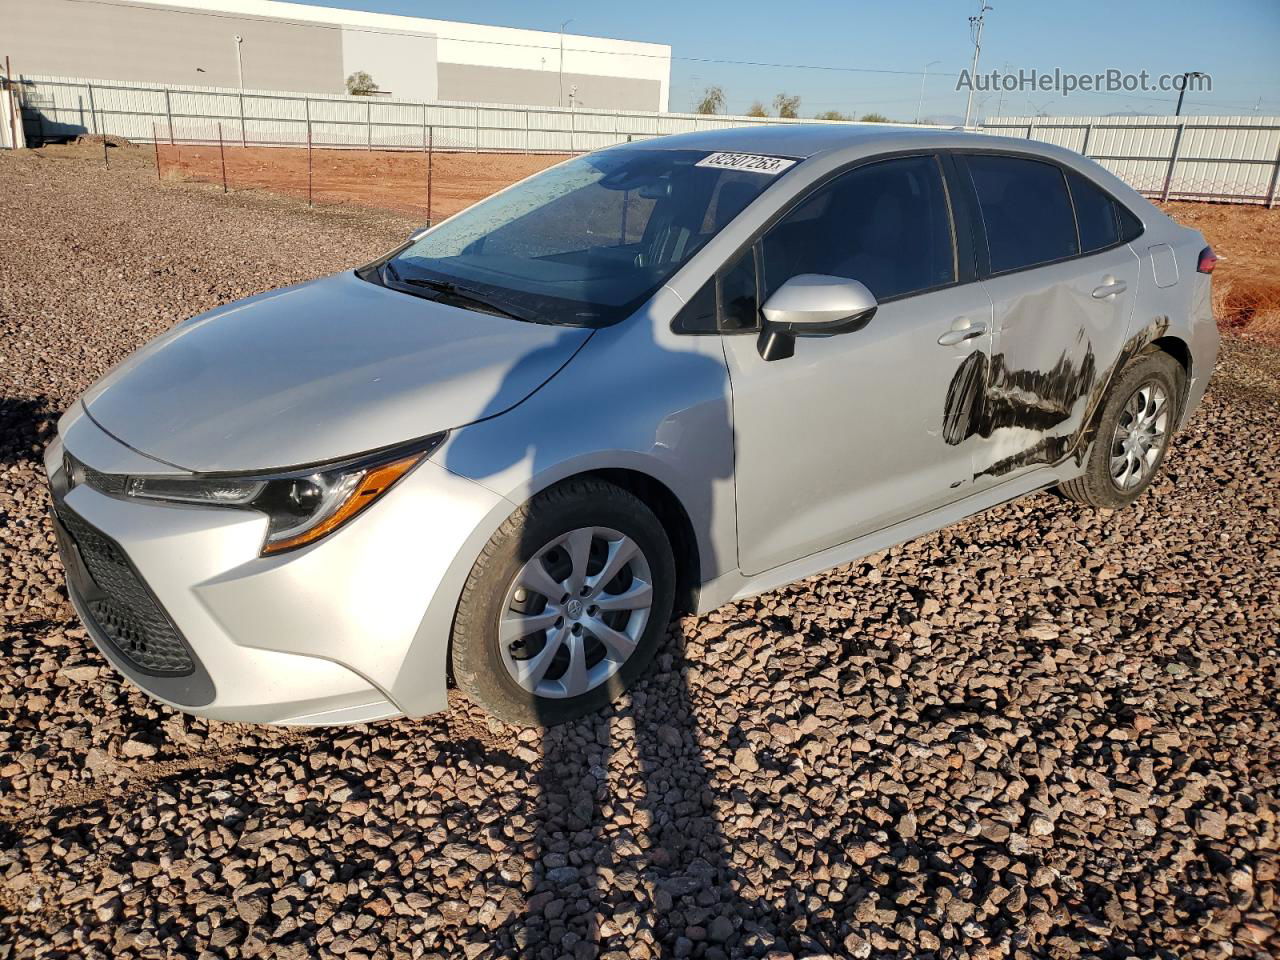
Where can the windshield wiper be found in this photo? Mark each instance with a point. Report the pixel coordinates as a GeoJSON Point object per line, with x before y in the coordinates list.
{"type": "Point", "coordinates": [451, 291]}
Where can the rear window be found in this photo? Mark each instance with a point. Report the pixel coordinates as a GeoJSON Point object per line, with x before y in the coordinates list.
{"type": "Point", "coordinates": [1096, 214]}
{"type": "Point", "coordinates": [1026, 211]}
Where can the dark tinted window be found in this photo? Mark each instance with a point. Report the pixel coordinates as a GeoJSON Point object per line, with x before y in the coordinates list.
{"type": "Point", "coordinates": [1130, 226]}
{"type": "Point", "coordinates": [1026, 211]}
{"type": "Point", "coordinates": [886, 224]}
{"type": "Point", "coordinates": [738, 294]}
{"type": "Point", "coordinates": [1095, 214]}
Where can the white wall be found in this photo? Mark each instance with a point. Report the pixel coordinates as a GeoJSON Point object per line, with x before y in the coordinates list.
{"type": "Point", "coordinates": [403, 64]}
{"type": "Point", "coordinates": [478, 44]}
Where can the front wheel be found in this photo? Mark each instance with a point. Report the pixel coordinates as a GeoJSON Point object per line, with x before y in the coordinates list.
{"type": "Point", "coordinates": [1134, 431]}
{"type": "Point", "coordinates": [565, 606]}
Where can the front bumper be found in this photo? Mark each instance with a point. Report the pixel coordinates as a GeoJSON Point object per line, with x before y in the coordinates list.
{"type": "Point", "coordinates": [350, 629]}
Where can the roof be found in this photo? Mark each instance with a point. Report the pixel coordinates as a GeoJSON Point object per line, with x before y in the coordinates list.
{"type": "Point", "coordinates": [804, 140]}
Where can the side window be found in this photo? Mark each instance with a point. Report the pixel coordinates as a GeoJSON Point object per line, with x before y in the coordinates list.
{"type": "Point", "coordinates": [738, 305]}
{"type": "Point", "coordinates": [886, 224]}
{"type": "Point", "coordinates": [1026, 211]}
{"type": "Point", "coordinates": [1096, 214]}
{"type": "Point", "coordinates": [699, 314]}
{"type": "Point", "coordinates": [1130, 226]}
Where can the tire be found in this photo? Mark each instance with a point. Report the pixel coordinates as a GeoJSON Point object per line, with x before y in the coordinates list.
{"type": "Point", "coordinates": [544, 536]}
{"type": "Point", "coordinates": [1157, 373]}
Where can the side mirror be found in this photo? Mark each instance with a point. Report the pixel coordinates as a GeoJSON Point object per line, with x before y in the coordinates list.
{"type": "Point", "coordinates": [812, 305]}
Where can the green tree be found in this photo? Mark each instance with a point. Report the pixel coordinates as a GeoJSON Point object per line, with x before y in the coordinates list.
{"type": "Point", "coordinates": [786, 106]}
{"type": "Point", "coordinates": [832, 115]}
{"type": "Point", "coordinates": [360, 84]}
{"type": "Point", "coordinates": [875, 118]}
{"type": "Point", "coordinates": [757, 110]}
{"type": "Point", "coordinates": [712, 100]}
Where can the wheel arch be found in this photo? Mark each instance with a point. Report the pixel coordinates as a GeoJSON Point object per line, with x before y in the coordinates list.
{"type": "Point", "coordinates": [673, 516]}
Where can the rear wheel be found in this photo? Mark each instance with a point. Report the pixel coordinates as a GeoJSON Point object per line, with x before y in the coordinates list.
{"type": "Point", "coordinates": [1133, 435]}
{"type": "Point", "coordinates": [565, 606]}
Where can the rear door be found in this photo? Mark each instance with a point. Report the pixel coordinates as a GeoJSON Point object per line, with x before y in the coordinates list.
{"type": "Point", "coordinates": [1062, 284]}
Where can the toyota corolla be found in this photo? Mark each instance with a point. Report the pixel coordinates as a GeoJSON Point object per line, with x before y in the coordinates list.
{"type": "Point", "coordinates": [651, 379]}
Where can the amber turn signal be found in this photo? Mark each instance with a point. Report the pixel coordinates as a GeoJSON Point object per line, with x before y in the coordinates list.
{"type": "Point", "coordinates": [375, 482]}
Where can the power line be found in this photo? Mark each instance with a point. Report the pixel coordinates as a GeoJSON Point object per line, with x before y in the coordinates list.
{"type": "Point", "coordinates": [527, 46]}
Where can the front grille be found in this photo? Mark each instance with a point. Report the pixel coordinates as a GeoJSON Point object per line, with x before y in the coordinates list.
{"type": "Point", "coordinates": [112, 484]}
{"type": "Point", "coordinates": [108, 483]}
{"type": "Point", "coordinates": [123, 608]}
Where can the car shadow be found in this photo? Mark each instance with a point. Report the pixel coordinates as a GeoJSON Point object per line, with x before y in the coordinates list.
{"type": "Point", "coordinates": [627, 846]}
{"type": "Point", "coordinates": [26, 426]}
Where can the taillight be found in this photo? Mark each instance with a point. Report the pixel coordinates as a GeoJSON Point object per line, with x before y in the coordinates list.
{"type": "Point", "coordinates": [1208, 260]}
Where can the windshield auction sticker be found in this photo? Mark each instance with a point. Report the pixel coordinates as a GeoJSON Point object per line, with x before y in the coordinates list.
{"type": "Point", "coordinates": [750, 162]}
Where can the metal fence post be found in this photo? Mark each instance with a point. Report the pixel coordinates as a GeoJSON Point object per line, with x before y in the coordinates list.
{"type": "Point", "coordinates": [223, 154]}
{"type": "Point", "coordinates": [93, 110]}
{"type": "Point", "coordinates": [368, 120]}
{"type": "Point", "coordinates": [527, 148]}
{"type": "Point", "coordinates": [168, 114]}
{"type": "Point", "coordinates": [1031, 129]}
{"type": "Point", "coordinates": [155, 138]}
{"type": "Point", "coordinates": [1173, 162]}
{"type": "Point", "coordinates": [1088, 132]}
{"type": "Point", "coordinates": [309, 174]}
{"type": "Point", "coordinates": [1275, 180]}
{"type": "Point", "coordinates": [243, 136]}
{"type": "Point", "coordinates": [431, 149]}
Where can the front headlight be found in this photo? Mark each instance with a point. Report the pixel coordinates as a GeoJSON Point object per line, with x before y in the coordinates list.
{"type": "Point", "coordinates": [301, 506]}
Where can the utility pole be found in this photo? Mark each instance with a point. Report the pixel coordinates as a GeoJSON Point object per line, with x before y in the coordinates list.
{"type": "Point", "coordinates": [975, 31]}
{"type": "Point", "coordinates": [239, 63]}
{"type": "Point", "coordinates": [562, 26]}
{"type": "Point", "coordinates": [920, 102]}
{"type": "Point", "coordinates": [1182, 89]}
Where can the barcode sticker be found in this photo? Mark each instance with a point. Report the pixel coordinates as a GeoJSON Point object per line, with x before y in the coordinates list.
{"type": "Point", "coordinates": [750, 162]}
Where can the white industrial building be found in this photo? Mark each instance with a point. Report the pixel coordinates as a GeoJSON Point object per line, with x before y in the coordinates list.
{"type": "Point", "coordinates": [270, 45]}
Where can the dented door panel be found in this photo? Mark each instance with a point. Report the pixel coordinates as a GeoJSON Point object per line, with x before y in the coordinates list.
{"type": "Point", "coordinates": [1059, 333]}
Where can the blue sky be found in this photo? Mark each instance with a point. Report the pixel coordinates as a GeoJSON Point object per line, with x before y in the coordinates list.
{"type": "Point", "coordinates": [1236, 41]}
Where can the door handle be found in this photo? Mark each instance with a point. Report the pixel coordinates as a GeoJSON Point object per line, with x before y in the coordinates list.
{"type": "Point", "coordinates": [1109, 289]}
{"type": "Point", "coordinates": [960, 334]}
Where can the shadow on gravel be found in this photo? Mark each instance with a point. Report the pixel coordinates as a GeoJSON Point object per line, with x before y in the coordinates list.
{"type": "Point", "coordinates": [627, 847]}
{"type": "Point", "coordinates": [645, 856]}
{"type": "Point", "coordinates": [26, 425]}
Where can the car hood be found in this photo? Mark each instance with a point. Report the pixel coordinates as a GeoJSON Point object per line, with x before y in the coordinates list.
{"type": "Point", "coordinates": [318, 372]}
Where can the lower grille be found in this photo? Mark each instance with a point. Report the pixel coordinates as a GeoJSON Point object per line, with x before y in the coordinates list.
{"type": "Point", "coordinates": [122, 606]}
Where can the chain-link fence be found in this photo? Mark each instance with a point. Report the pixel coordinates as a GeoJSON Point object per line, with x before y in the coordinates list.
{"type": "Point", "coordinates": [432, 181]}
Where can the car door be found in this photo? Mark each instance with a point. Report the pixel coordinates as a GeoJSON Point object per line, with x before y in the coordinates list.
{"type": "Point", "coordinates": [1062, 284]}
{"type": "Point", "coordinates": [846, 436]}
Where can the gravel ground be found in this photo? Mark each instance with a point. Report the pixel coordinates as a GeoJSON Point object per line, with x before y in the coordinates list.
{"type": "Point", "coordinates": [1044, 732]}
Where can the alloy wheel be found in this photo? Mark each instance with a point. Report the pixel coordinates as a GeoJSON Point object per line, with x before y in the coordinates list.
{"type": "Point", "coordinates": [575, 612]}
{"type": "Point", "coordinates": [1140, 435]}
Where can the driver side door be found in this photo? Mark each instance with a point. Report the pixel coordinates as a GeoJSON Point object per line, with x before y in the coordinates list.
{"type": "Point", "coordinates": [848, 435]}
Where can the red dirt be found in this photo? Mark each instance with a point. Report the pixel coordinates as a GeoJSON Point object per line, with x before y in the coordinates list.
{"type": "Point", "coordinates": [390, 180]}
{"type": "Point", "coordinates": [1246, 282]}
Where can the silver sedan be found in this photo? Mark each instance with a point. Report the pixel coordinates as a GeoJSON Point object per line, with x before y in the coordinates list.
{"type": "Point", "coordinates": [648, 380]}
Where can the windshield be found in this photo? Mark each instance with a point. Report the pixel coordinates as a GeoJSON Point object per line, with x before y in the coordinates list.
{"type": "Point", "coordinates": [586, 242]}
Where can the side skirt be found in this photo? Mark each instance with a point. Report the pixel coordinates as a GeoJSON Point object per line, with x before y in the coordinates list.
{"type": "Point", "coordinates": [736, 586]}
